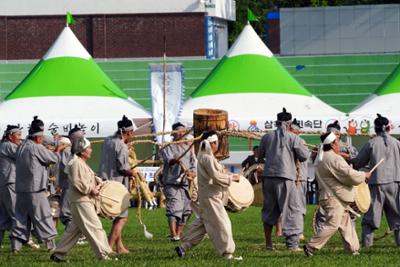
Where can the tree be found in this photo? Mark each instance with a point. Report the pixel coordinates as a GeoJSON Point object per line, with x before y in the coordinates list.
{"type": "Point", "coordinates": [262, 7]}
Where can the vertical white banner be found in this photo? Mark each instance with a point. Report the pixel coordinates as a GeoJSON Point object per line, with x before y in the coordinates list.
{"type": "Point", "coordinates": [173, 96]}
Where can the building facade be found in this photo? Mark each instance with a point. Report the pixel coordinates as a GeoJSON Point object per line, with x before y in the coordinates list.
{"type": "Point", "coordinates": [131, 28]}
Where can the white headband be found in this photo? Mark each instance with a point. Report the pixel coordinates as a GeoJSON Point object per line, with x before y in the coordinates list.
{"type": "Point", "coordinates": [65, 141]}
{"type": "Point", "coordinates": [86, 143]}
{"type": "Point", "coordinates": [37, 134]}
{"type": "Point", "coordinates": [13, 131]}
{"type": "Point", "coordinates": [212, 138]}
{"type": "Point", "coordinates": [328, 140]}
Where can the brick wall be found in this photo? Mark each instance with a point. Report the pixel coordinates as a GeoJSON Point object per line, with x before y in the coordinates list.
{"type": "Point", "coordinates": [107, 36]}
{"type": "Point", "coordinates": [274, 42]}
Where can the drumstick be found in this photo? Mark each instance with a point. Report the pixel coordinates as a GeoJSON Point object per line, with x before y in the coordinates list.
{"type": "Point", "coordinates": [110, 198]}
{"type": "Point", "coordinates": [376, 165]}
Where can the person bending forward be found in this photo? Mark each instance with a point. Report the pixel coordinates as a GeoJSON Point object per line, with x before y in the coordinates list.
{"type": "Point", "coordinates": [84, 187]}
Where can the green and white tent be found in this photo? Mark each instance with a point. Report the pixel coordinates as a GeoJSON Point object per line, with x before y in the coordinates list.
{"type": "Point", "coordinates": [65, 88]}
{"type": "Point", "coordinates": [385, 100]}
{"type": "Point", "coordinates": [251, 84]}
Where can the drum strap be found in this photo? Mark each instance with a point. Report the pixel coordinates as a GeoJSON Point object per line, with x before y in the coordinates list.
{"type": "Point", "coordinates": [324, 186]}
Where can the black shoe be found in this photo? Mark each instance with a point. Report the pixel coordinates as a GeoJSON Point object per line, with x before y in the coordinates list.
{"type": "Point", "coordinates": [180, 251]}
{"type": "Point", "coordinates": [307, 251]}
{"type": "Point", "coordinates": [57, 259]}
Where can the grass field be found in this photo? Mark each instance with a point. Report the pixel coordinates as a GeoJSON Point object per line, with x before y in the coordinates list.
{"type": "Point", "coordinates": [248, 237]}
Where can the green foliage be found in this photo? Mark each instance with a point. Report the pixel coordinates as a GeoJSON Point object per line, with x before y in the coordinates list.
{"type": "Point", "coordinates": [261, 8]}
{"type": "Point", "coordinates": [248, 236]}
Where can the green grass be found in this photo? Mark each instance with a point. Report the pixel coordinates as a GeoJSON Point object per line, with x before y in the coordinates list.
{"type": "Point", "coordinates": [248, 236]}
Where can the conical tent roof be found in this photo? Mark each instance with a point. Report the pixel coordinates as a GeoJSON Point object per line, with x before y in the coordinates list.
{"type": "Point", "coordinates": [385, 100]}
{"type": "Point", "coordinates": [67, 87]}
{"type": "Point", "coordinates": [251, 84]}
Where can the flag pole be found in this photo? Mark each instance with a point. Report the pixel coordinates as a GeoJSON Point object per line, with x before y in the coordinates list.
{"type": "Point", "coordinates": [164, 83]}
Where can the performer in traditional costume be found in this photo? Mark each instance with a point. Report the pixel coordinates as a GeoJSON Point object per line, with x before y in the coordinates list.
{"type": "Point", "coordinates": [213, 182]}
{"type": "Point", "coordinates": [84, 206]}
{"type": "Point", "coordinates": [178, 162]}
{"type": "Point", "coordinates": [281, 148]}
{"type": "Point", "coordinates": [251, 159]}
{"type": "Point", "coordinates": [52, 186]}
{"type": "Point", "coordinates": [348, 152]}
{"type": "Point", "coordinates": [336, 179]}
{"type": "Point", "coordinates": [8, 150]}
{"type": "Point", "coordinates": [62, 178]}
{"type": "Point", "coordinates": [384, 182]}
{"type": "Point", "coordinates": [301, 175]}
{"type": "Point", "coordinates": [32, 160]}
{"type": "Point", "coordinates": [114, 165]}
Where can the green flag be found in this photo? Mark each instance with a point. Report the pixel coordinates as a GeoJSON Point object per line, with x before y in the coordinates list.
{"type": "Point", "coordinates": [70, 19]}
{"type": "Point", "coordinates": [251, 16]}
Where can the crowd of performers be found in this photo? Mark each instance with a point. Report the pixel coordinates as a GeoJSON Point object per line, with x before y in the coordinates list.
{"type": "Point", "coordinates": [196, 185]}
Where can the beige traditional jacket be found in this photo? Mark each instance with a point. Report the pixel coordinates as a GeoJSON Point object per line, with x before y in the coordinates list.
{"type": "Point", "coordinates": [82, 180]}
{"type": "Point", "coordinates": [339, 176]}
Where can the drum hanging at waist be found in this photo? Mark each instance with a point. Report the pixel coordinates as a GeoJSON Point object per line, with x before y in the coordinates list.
{"type": "Point", "coordinates": [254, 173]}
{"type": "Point", "coordinates": [362, 198]}
{"type": "Point", "coordinates": [240, 195]}
{"type": "Point", "coordinates": [114, 199]}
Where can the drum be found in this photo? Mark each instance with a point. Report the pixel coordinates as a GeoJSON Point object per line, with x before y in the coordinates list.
{"type": "Point", "coordinates": [54, 201]}
{"type": "Point", "coordinates": [252, 173]}
{"type": "Point", "coordinates": [362, 198]}
{"type": "Point", "coordinates": [240, 195]}
{"type": "Point", "coordinates": [114, 199]}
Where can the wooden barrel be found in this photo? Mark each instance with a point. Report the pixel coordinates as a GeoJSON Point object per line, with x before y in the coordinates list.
{"type": "Point", "coordinates": [212, 119]}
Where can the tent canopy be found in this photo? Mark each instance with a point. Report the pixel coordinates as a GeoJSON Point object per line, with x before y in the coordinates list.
{"type": "Point", "coordinates": [65, 88]}
{"type": "Point", "coordinates": [251, 84]}
{"type": "Point", "coordinates": [385, 100]}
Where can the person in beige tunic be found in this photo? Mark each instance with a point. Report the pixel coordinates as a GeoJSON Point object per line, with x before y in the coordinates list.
{"type": "Point", "coordinates": [84, 187]}
{"type": "Point", "coordinates": [336, 179]}
{"type": "Point", "coordinates": [213, 219]}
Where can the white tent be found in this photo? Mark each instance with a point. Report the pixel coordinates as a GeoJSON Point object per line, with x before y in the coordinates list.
{"type": "Point", "coordinates": [251, 84]}
{"type": "Point", "coordinates": [385, 101]}
{"type": "Point", "coordinates": [67, 87]}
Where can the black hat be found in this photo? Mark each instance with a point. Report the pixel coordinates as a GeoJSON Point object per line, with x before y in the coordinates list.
{"type": "Point", "coordinates": [125, 124]}
{"type": "Point", "coordinates": [177, 125]}
{"type": "Point", "coordinates": [37, 126]}
{"type": "Point", "coordinates": [296, 123]}
{"type": "Point", "coordinates": [74, 130]}
{"type": "Point", "coordinates": [380, 121]}
{"type": "Point", "coordinates": [333, 125]}
{"type": "Point", "coordinates": [284, 116]}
